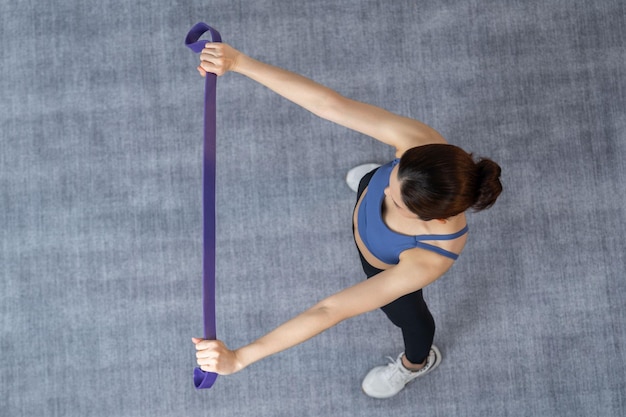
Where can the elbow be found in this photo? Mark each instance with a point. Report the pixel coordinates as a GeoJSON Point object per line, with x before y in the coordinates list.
{"type": "Point", "coordinates": [329, 106]}
{"type": "Point", "coordinates": [329, 312]}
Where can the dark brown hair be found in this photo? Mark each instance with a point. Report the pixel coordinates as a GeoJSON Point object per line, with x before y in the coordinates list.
{"type": "Point", "coordinates": [439, 181]}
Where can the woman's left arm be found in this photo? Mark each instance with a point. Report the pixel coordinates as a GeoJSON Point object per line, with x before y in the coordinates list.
{"type": "Point", "coordinates": [398, 131]}
{"type": "Point", "coordinates": [411, 274]}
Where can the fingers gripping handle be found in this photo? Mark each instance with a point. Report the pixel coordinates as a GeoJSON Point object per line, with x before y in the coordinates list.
{"type": "Point", "coordinates": [207, 379]}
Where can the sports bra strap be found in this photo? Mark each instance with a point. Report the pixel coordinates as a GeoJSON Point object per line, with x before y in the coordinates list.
{"type": "Point", "coordinates": [453, 236]}
{"type": "Point", "coordinates": [419, 243]}
{"type": "Point", "coordinates": [437, 249]}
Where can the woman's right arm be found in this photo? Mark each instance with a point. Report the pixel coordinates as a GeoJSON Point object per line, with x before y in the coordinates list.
{"type": "Point", "coordinates": [414, 271]}
{"type": "Point", "coordinates": [400, 132]}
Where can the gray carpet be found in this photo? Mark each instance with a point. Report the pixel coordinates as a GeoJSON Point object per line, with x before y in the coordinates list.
{"type": "Point", "coordinates": [100, 170]}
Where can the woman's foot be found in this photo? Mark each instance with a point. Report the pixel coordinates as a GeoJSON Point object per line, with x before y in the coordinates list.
{"type": "Point", "coordinates": [354, 176]}
{"type": "Point", "coordinates": [387, 381]}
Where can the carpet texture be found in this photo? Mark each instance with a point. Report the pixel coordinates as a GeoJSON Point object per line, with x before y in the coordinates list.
{"type": "Point", "coordinates": [100, 205]}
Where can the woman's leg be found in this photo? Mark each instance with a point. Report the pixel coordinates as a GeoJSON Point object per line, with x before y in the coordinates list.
{"type": "Point", "coordinates": [410, 313]}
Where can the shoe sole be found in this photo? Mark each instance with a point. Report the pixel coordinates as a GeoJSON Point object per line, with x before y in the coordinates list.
{"type": "Point", "coordinates": [438, 359]}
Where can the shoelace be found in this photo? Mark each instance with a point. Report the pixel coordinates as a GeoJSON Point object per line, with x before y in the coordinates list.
{"type": "Point", "coordinates": [398, 373]}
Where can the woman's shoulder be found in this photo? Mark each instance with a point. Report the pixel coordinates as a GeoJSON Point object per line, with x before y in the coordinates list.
{"type": "Point", "coordinates": [422, 135]}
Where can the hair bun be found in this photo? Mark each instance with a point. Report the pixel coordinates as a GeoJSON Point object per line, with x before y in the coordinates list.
{"type": "Point", "coordinates": [489, 185]}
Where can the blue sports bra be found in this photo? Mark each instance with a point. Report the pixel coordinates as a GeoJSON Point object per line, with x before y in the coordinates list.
{"type": "Point", "coordinates": [382, 242]}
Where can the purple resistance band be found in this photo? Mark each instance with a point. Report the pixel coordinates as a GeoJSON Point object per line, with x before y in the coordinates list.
{"type": "Point", "coordinates": [203, 379]}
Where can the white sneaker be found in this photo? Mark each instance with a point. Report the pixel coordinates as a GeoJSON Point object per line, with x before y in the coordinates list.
{"type": "Point", "coordinates": [387, 381]}
{"type": "Point", "coordinates": [357, 173]}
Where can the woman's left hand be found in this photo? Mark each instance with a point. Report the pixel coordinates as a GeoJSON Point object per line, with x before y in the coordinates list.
{"type": "Point", "coordinates": [214, 356]}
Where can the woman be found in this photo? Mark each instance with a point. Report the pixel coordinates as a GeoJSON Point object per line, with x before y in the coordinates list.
{"type": "Point", "coordinates": [409, 226]}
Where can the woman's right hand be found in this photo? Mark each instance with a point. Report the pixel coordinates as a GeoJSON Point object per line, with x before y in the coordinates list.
{"type": "Point", "coordinates": [218, 58]}
{"type": "Point", "coordinates": [214, 356]}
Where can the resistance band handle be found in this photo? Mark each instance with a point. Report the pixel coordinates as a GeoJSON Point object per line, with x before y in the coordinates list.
{"type": "Point", "coordinates": [193, 41]}
{"type": "Point", "coordinates": [203, 379]}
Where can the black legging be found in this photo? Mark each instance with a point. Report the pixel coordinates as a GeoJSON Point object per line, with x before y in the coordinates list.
{"type": "Point", "coordinates": [409, 312]}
